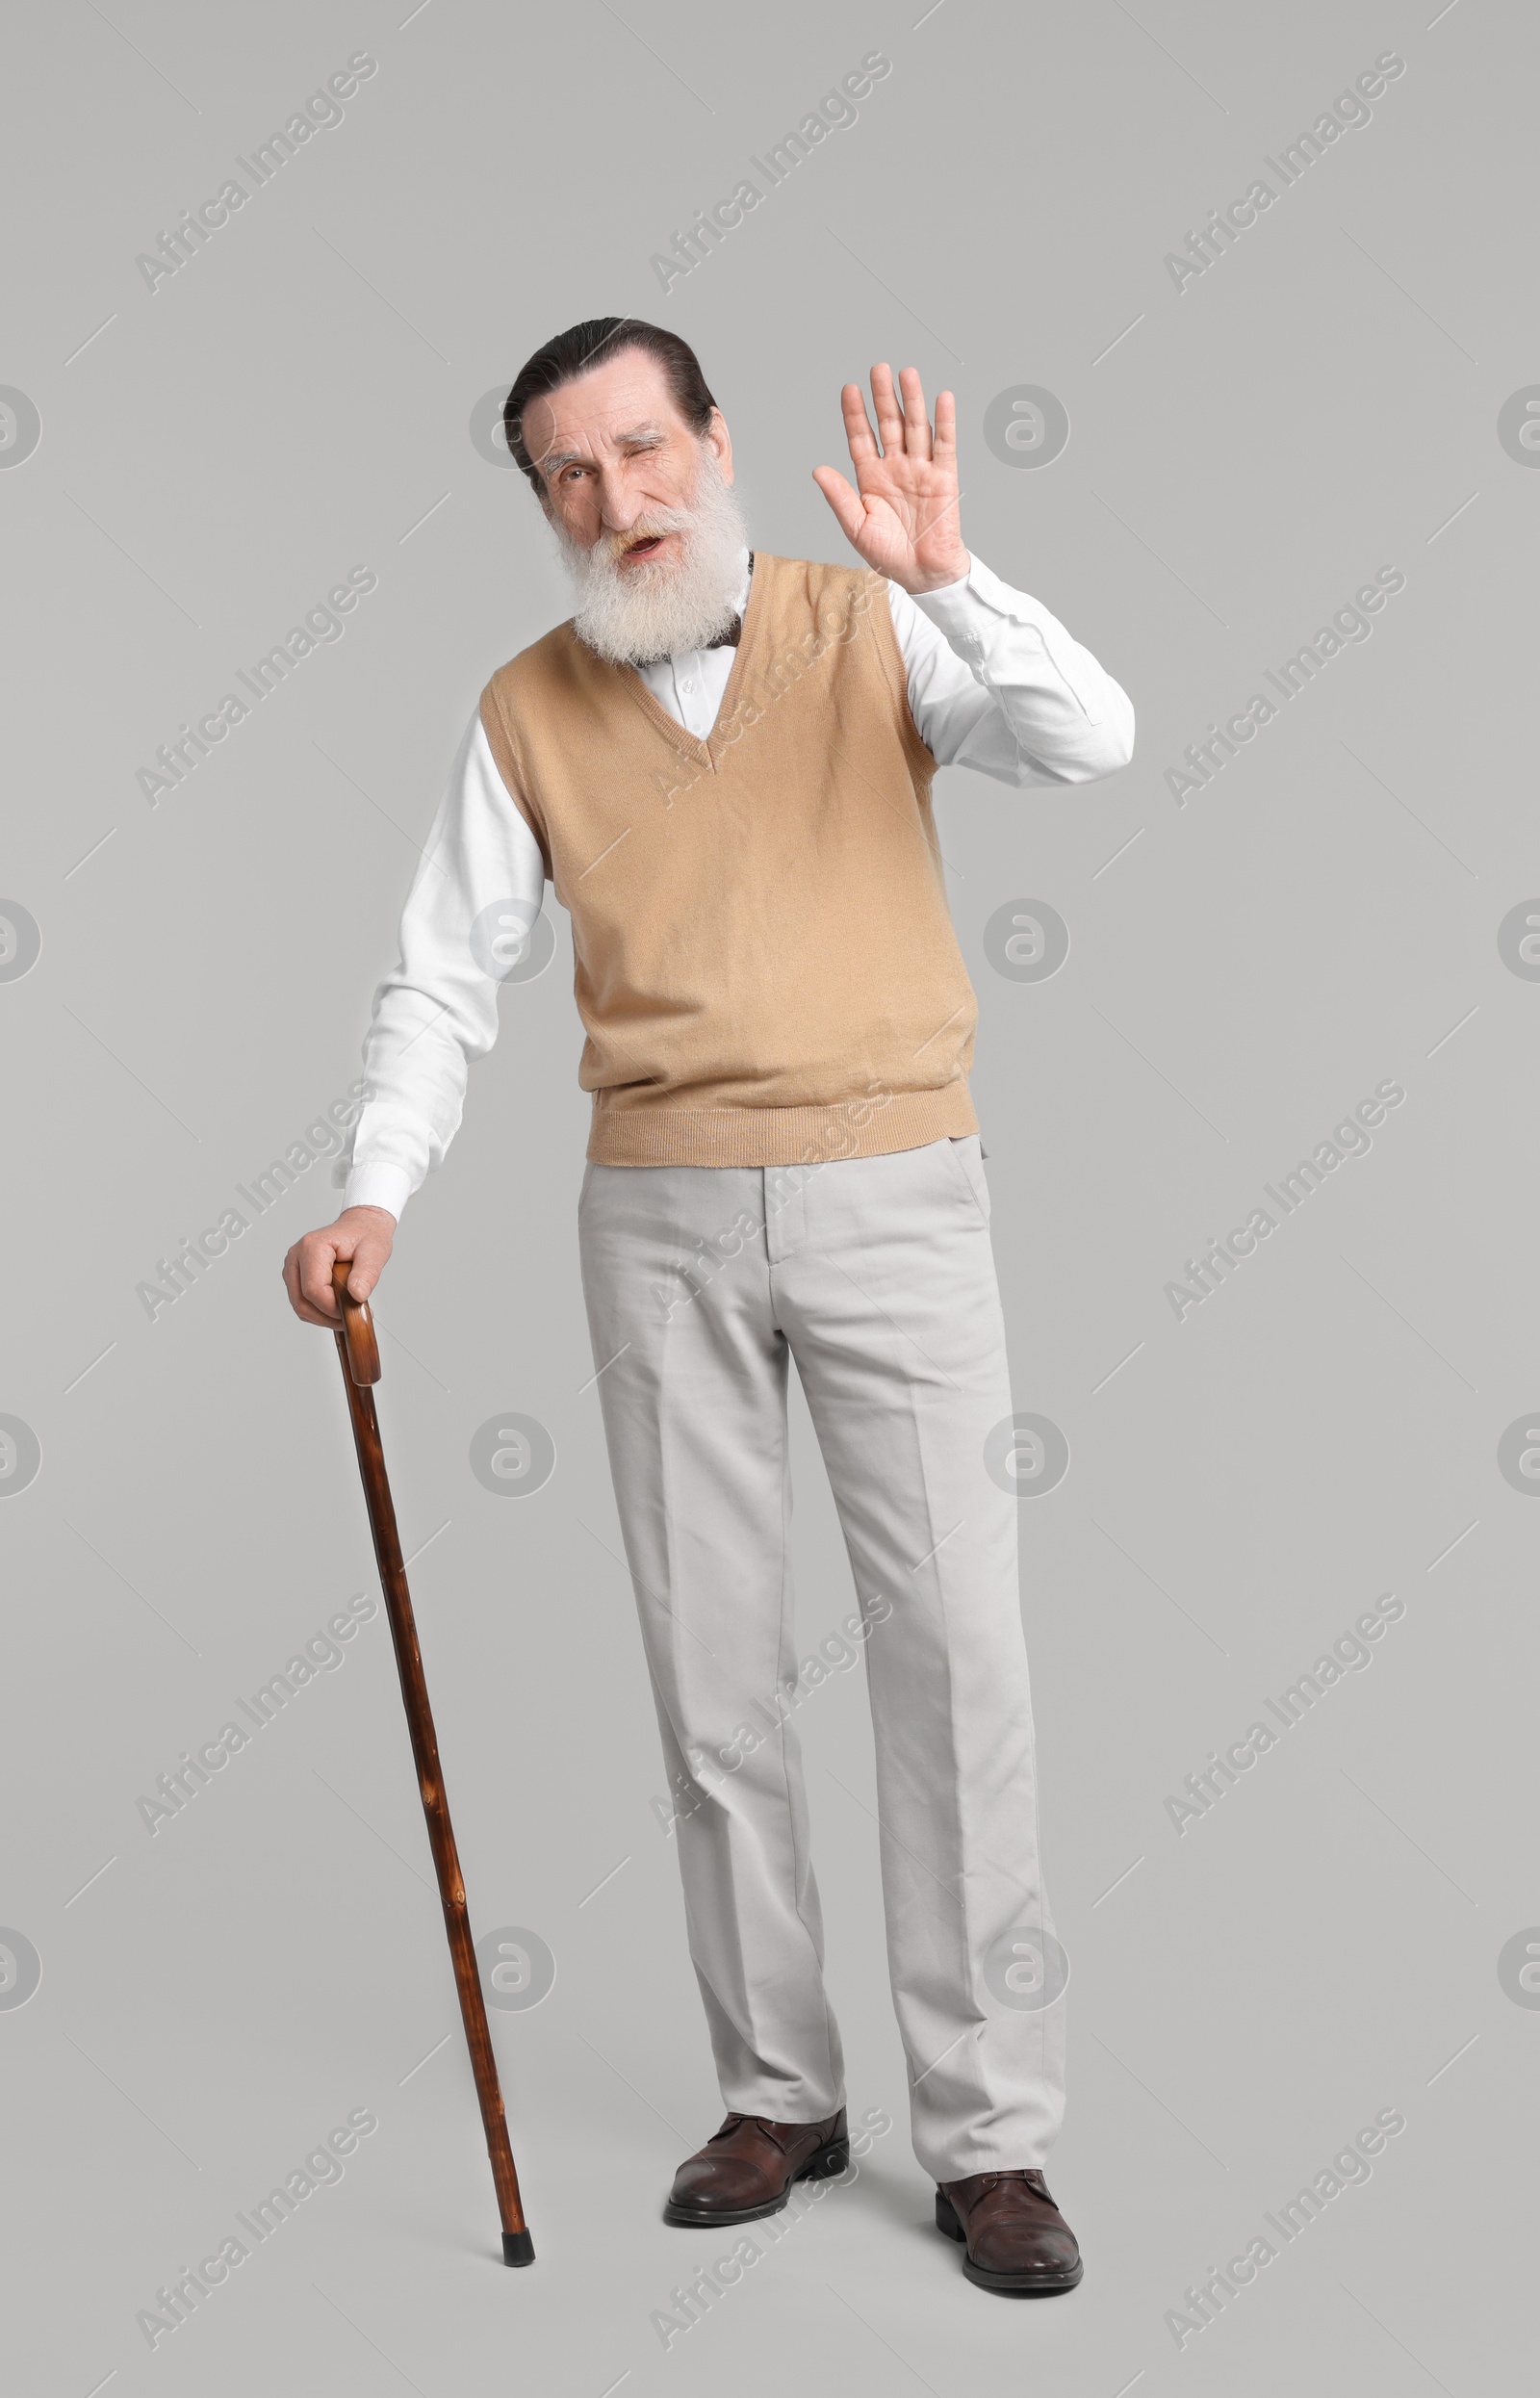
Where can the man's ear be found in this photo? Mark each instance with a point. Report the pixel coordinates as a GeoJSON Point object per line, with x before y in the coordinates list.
{"type": "Point", "coordinates": [721, 441]}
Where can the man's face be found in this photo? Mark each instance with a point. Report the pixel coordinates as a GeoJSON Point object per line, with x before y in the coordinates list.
{"type": "Point", "coordinates": [613, 452]}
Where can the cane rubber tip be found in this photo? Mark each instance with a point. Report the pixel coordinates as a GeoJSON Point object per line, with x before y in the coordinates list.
{"type": "Point", "coordinates": [518, 2249]}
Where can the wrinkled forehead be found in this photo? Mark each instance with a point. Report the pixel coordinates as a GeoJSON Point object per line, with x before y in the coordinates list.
{"type": "Point", "coordinates": [621, 404]}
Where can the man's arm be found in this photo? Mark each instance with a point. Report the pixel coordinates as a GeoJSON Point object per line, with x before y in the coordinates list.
{"type": "Point", "coordinates": [475, 894]}
{"type": "Point", "coordinates": [995, 682]}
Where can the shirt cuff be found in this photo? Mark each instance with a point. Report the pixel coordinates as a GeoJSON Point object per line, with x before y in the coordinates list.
{"type": "Point", "coordinates": [955, 608]}
{"type": "Point", "coordinates": [379, 1186]}
{"type": "Point", "coordinates": [945, 592]}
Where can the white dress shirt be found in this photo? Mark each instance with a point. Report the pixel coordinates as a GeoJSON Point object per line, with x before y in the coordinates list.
{"type": "Point", "coordinates": [995, 683]}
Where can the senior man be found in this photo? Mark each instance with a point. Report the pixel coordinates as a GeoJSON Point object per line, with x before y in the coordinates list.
{"type": "Point", "coordinates": [722, 762]}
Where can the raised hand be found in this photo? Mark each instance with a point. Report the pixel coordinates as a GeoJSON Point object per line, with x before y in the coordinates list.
{"type": "Point", "coordinates": [903, 515]}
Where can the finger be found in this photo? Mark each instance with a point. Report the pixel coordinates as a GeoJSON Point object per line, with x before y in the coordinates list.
{"type": "Point", "coordinates": [858, 424]}
{"type": "Point", "coordinates": [916, 424]}
{"type": "Point", "coordinates": [889, 415]}
{"type": "Point", "coordinates": [370, 1260]}
{"type": "Point", "coordinates": [945, 447]}
{"type": "Point", "coordinates": [316, 1254]}
{"type": "Point", "coordinates": [301, 1306]}
{"type": "Point", "coordinates": [845, 502]}
{"type": "Point", "coordinates": [291, 1280]}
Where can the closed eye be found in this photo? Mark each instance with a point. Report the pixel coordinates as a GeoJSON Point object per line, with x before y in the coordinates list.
{"type": "Point", "coordinates": [633, 444]}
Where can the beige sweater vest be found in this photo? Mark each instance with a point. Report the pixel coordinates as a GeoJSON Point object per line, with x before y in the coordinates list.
{"type": "Point", "coordinates": [766, 966]}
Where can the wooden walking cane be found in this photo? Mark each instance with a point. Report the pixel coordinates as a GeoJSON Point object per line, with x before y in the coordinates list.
{"type": "Point", "coordinates": [359, 1353]}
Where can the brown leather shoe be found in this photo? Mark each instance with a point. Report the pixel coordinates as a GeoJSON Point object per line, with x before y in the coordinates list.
{"type": "Point", "coordinates": [1015, 2238]}
{"type": "Point", "coordinates": [747, 2167]}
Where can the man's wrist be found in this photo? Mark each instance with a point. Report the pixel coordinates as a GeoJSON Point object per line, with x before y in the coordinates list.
{"type": "Point", "coordinates": [943, 579]}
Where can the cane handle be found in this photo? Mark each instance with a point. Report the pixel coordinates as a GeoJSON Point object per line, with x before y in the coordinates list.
{"type": "Point", "coordinates": [357, 1334]}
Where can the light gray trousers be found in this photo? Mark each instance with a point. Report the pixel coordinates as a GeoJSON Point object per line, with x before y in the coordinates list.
{"type": "Point", "coordinates": [877, 1274]}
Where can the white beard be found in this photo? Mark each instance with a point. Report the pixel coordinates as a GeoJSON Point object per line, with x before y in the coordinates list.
{"type": "Point", "coordinates": [635, 614]}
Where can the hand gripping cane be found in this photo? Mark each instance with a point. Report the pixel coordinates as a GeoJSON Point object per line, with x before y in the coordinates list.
{"type": "Point", "coordinates": [359, 1353]}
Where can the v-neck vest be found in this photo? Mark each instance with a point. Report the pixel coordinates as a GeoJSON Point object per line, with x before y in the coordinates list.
{"type": "Point", "coordinates": [765, 964]}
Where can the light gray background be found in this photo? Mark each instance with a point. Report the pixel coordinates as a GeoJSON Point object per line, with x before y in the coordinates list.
{"type": "Point", "coordinates": [1244, 456]}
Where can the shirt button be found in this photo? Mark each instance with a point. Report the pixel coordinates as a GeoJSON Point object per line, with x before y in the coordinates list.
{"type": "Point", "coordinates": [688, 683]}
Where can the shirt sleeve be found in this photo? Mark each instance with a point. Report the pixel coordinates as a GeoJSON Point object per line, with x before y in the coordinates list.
{"type": "Point", "coordinates": [997, 683]}
{"type": "Point", "coordinates": [468, 916]}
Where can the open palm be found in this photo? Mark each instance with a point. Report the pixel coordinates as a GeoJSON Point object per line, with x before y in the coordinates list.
{"type": "Point", "coordinates": [901, 516]}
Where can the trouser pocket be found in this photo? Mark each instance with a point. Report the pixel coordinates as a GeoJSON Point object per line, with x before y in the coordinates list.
{"type": "Point", "coordinates": [968, 1161]}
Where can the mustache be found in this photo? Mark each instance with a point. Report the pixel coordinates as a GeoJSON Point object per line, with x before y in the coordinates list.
{"type": "Point", "coordinates": [611, 546]}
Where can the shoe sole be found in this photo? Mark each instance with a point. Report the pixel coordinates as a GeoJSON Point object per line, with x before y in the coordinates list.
{"type": "Point", "coordinates": [821, 2166]}
{"type": "Point", "coordinates": [1009, 2285]}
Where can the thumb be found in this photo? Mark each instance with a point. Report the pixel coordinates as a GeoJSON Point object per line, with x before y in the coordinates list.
{"type": "Point", "coordinates": [368, 1263]}
{"type": "Point", "coordinates": [369, 1254]}
{"type": "Point", "coordinates": [845, 502]}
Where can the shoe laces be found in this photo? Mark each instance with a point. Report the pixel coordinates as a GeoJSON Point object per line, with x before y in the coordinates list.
{"type": "Point", "coordinates": [759, 2124]}
{"type": "Point", "coordinates": [1029, 2176]}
